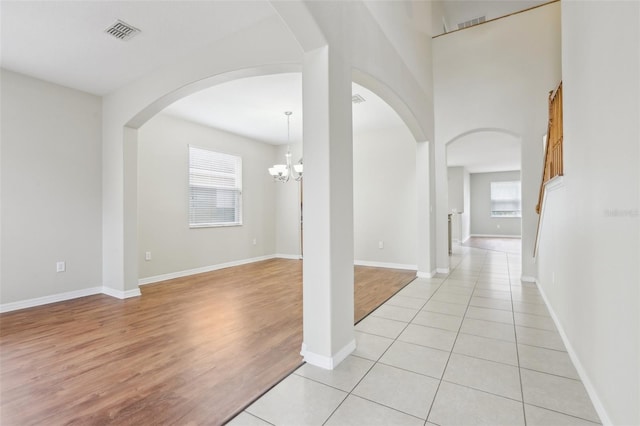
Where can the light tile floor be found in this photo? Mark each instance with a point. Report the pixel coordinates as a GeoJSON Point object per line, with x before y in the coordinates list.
{"type": "Point", "coordinates": [475, 347]}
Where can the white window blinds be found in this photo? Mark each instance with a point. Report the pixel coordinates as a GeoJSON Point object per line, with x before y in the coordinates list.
{"type": "Point", "coordinates": [215, 188]}
{"type": "Point", "coordinates": [506, 199]}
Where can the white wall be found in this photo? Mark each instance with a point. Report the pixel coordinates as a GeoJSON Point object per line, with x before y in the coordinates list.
{"type": "Point", "coordinates": [456, 189]}
{"type": "Point", "coordinates": [481, 221]}
{"type": "Point", "coordinates": [163, 223]}
{"type": "Point", "coordinates": [384, 197]}
{"type": "Point", "coordinates": [590, 239]}
{"type": "Point", "coordinates": [465, 218]}
{"type": "Point", "coordinates": [288, 208]}
{"type": "Point", "coordinates": [459, 203]}
{"type": "Point", "coordinates": [51, 189]}
{"type": "Point", "coordinates": [497, 76]}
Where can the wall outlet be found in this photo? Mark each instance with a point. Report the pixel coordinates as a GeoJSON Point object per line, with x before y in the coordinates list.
{"type": "Point", "coordinates": [147, 255]}
{"type": "Point", "coordinates": [61, 266]}
{"type": "Point", "coordinates": [498, 226]}
{"type": "Point", "coordinates": [380, 244]}
{"type": "Point", "coordinates": [255, 241]}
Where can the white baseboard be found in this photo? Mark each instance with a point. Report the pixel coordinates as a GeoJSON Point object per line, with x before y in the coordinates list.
{"type": "Point", "coordinates": [326, 362]}
{"type": "Point", "coordinates": [494, 236]}
{"type": "Point", "coordinates": [443, 270]}
{"type": "Point", "coordinates": [528, 279]}
{"type": "Point", "coordinates": [186, 273]}
{"type": "Point", "coordinates": [45, 300]}
{"type": "Point", "coordinates": [421, 274]}
{"type": "Point", "coordinates": [288, 256]}
{"type": "Point", "coordinates": [119, 294]}
{"type": "Point", "coordinates": [582, 373]}
{"type": "Point", "coordinates": [385, 265]}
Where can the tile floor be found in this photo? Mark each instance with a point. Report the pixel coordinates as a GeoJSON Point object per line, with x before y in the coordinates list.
{"type": "Point", "coordinates": [475, 347]}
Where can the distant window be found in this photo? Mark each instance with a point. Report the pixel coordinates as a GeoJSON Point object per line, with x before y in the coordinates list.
{"type": "Point", "coordinates": [505, 199]}
{"type": "Point", "coordinates": [215, 188]}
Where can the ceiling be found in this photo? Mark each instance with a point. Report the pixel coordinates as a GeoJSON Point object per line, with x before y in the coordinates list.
{"type": "Point", "coordinates": [483, 152]}
{"type": "Point", "coordinates": [458, 11]}
{"type": "Point", "coordinates": [254, 107]}
{"type": "Point", "coordinates": [64, 42]}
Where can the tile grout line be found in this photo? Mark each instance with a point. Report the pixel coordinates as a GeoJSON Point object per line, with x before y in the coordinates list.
{"type": "Point", "coordinates": [395, 339]}
{"type": "Point", "coordinates": [524, 413]}
{"type": "Point", "coordinates": [452, 347]}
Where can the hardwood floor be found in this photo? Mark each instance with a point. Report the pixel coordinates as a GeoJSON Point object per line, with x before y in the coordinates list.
{"type": "Point", "coordinates": [193, 350]}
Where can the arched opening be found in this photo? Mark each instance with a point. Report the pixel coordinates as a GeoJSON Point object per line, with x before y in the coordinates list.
{"type": "Point", "coordinates": [484, 205]}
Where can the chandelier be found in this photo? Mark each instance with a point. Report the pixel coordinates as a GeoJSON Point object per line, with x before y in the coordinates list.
{"type": "Point", "coordinates": [283, 172]}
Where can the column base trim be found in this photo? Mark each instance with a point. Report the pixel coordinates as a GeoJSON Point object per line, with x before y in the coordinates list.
{"type": "Point", "coordinates": [327, 362]}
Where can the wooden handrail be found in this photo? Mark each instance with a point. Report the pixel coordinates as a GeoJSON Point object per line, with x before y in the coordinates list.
{"type": "Point", "coordinates": [553, 153]}
{"type": "Point", "coordinates": [553, 164]}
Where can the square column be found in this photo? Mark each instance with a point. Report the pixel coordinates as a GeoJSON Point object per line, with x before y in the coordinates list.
{"type": "Point", "coordinates": [328, 300]}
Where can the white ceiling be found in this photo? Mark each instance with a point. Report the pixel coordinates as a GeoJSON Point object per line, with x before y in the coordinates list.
{"type": "Point", "coordinates": [64, 42]}
{"type": "Point", "coordinates": [254, 107]}
{"type": "Point", "coordinates": [484, 152]}
{"type": "Point", "coordinates": [458, 11]}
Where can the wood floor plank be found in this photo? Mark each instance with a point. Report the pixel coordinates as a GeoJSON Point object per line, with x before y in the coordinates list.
{"type": "Point", "coordinates": [194, 350]}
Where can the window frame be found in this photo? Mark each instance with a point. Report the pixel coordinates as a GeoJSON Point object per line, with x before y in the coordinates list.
{"type": "Point", "coordinates": [236, 176]}
{"type": "Point", "coordinates": [515, 214]}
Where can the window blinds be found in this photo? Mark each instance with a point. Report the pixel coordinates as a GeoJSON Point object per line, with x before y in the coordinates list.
{"type": "Point", "coordinates": [215, 188]}
{"type": "Point", "coordinates": [505, 199]}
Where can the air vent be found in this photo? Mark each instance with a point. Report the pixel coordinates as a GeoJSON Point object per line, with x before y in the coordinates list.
{"type": "Point", "coordinates": [357, 99]}
{"type": "Point", "coordinates": [472, 22]}
{"type": "Point", "coordinates": [122, 31]}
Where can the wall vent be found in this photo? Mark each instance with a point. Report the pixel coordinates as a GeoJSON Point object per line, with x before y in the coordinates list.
{"type": "Point", "coordinates": [357, 99]}
{"type": "Point", "coordinates": [122, 31]}
{"type": "Point", "coordinates": [472, 22]}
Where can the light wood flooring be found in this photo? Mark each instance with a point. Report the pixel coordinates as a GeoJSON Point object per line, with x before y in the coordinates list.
{"type": "Point", "coordinates": [193, 350]}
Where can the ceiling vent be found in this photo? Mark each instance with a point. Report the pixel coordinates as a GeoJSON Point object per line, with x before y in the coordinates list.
{"type": "Point", "coordinates": [122, 31]}
{"type": "Point", "coordinates": [472, 22]}
{"type": "Point", "coordinates": [357, 99]}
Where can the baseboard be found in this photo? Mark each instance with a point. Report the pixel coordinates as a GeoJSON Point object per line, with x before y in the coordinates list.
{"type": "Point", "coordinates": [493, 236]}
{"type": "Point", "coordinates": [45, 300]}
{"type": "Point", "coordinates": [186, 273]}
{"type": "Point", "coordinates": [120, 294]}
{"type": "Point", "coordinates": [582, 373]}
{"type": "Point", "coordinates": [443, 270]}
{"type": "Point", "coordinates": [528, 279]}
{"type": "Point", "coordinates": [385, 265]}
{"type": "Point", "coordinates": [326, 362]}
{"type": "Point", "coordinates": [288, 256]}
{"type": "Point", "coordinates": [426, 274]}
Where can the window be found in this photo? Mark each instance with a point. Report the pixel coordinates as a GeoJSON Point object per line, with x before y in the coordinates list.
{"type": "Point", "coordinates": [505, 199]}
{"type": "Point", "coordinates": [215, 188]}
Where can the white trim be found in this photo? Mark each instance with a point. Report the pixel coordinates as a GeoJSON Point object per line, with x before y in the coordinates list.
{"type": "Point", "coordinates": [288, 256]}
{"type": "Point", "coordinates": [119, 294]}
{"type": "Point", "coordinates": [45, 300]}
{"type": "Point", "coordinates": [494, 236]}
{"type": "Point", "coordinates": [554, 183]}
{"type": "Point", "coordinates": [385, 265]}
{"type": "Point", "coordinates": [443, 270]}
{"type": "Point", "coordinates": [185, 273]}
{"type": "Point", "coordinates": [327, 362]}
{"type": "Point", "coordinates": [421, 274]}
{"type": "Point", "coordinates": [528, 279]}
{"type": "Point", "coordinates": [591, 390]}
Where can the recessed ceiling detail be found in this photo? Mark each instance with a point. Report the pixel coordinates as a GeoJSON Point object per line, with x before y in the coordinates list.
{"type": "Point", "coordinates": [122, 31]}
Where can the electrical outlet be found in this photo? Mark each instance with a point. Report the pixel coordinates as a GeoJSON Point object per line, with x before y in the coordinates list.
{"type": "Point", "coordinates": [255, 241]}
{"type": "Point", "coordinates": [380, 244]}
{"type": "Point", "coordinates": [61, 266]}
{"type": "Point", "coordinates": [498, 226]}
{"type": "Point", "coordinates": [147, 255]}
